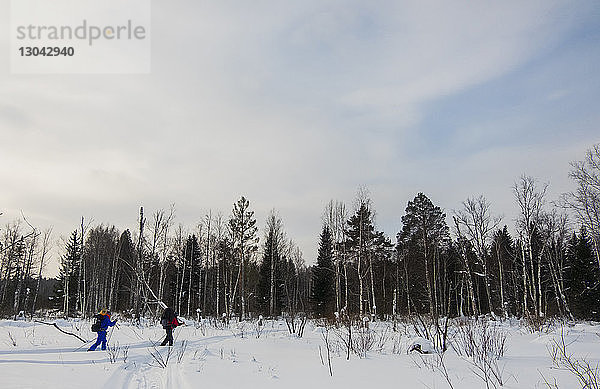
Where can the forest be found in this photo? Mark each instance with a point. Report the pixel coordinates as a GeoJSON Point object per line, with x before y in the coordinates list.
{"type": "Point", "coordinates": [467, 263]}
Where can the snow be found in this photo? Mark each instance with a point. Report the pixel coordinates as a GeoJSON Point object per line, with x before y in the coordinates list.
{"type": "Point", "coordinates": [34, 355]}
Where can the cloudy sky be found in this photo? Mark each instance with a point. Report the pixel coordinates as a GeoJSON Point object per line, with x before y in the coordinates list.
{"type": "Point", "coordinates": [295, 103]}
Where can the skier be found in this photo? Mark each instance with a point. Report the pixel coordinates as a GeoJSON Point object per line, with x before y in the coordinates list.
{"type": "Point", "coordinates": [103, 318]}
{"type": "Point", "coordinates": [169, 322]}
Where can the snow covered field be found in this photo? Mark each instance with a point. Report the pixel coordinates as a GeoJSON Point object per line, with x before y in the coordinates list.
{"type": "Point", "coordinates": [34, 355]}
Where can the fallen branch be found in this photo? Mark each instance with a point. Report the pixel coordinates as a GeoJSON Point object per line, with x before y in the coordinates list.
{"type": "Point", "coordinates": [58, 328]}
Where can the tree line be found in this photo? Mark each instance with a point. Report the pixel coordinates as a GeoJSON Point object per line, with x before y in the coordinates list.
{"type": "Point", "coordinates": [465, 263]}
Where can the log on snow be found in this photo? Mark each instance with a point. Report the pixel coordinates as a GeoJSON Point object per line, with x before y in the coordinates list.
{"type": "Point", "coordinates": [58, 328]}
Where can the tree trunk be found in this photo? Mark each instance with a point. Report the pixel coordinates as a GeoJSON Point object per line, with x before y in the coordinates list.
{"type": "Point", "coordinates": [427, 277]}
{"type": "Point", "coordinates": [206, 260]}
{"type": "Point", "coordinates": [272, 279]}
{"type": "Point", "coordinates": [45, 242]}
{"type": "Point", "coordinates": [373, 302]}
{"type": "Point", "coordinates": [468, 271]}
{"type": "Point", "coordinates": [524, 268]}
{"type": "Point", "coordinates": [501, 276]}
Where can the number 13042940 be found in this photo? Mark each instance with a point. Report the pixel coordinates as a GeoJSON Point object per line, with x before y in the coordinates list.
{"type": "Point", "coordinates": [46, 51]}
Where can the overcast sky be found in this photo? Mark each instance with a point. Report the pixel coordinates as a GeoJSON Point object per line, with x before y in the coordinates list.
{"type": "Point", "coordinates": [294, 103]}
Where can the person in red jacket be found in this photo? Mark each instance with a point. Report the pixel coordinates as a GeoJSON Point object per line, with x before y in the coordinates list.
{"type": "Point", "coordinates": [169, 322]}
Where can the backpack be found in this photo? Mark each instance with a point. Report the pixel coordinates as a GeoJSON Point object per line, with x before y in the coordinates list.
{"type": "Point", "coordinates": [96, 327]}
{"type": "Point", "coordinates": [167, 318]}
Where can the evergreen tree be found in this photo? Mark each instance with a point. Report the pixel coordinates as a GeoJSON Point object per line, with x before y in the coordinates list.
{"type": "Point", "coordinates": [323, 277]}
{"type": "Point", "coordinates": [582, 278]}
{"type": "Point", "coordinates": [242, 226]}
{"type": "Point", "coordinates": [424, 235]}
{"type": "Point", "coordinates": [125, 275]}
{"type": "Point", "coordinates": [367, 248]}
{"type": "Point", "coordinates": [289, 287]}
{"type": "Point", "coordinates": [191, 274]}
{"type": "Point", "coordinates": [505, 268]}
{"type": "Point", "coordinates": [66, 289]}
{"type": "Point", "coordinates": [269, 281]}
{"type": "Point", "coordinates": [360, 244]}
{"type": "Point", "coordinates": [270, 289]}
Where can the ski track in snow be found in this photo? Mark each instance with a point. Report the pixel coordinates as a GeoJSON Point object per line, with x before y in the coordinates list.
{"type": "Point", "coordinates": [222, 358]}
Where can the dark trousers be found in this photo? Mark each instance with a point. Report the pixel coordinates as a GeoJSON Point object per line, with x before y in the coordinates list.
{"type": "Point", "coordinates": [169, 337]}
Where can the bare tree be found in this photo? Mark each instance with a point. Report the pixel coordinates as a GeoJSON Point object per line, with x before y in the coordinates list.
{"type": "Point", "coordinates": [162, 222]}
{"type": "Point", "coordinates": [275, 236]}
{"type": "Point", "coordinates": [554, 233]}
{"type": "Point", "coordinates": [479, 225]}
{"type": "Point", "coordinates": [467, 266]}
{"type": "Point", "coordinates": [181, 261]}
{"type": "Point", "coordinates": [531, 202]}
{"type": "Point", "coordinates": [82, 291]}
{"type": "Point", "coordinates": [219, 237]}
{"type": "Point", "coordinates": [585, 200]}
{"type": "Point", "coordinates": [46, 236]}
{"type": "Point", "coordinates": [334, 218]}
{"type": "Point", "coordinates": [208, 242]}
{"type": "Point", "coordinates": [24, 269]}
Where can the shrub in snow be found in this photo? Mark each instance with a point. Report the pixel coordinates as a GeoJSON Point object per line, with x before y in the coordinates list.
{"type": "Point", "coordinates": [363, 341]}
{"type": "Point", "coordinates": [181, 351]}
{"type": "Point", "coordinates": [479, 339]}
{"type": "Point", "coordinates": [160, 359]}
{"type": "Point", "coordinates": [587, 373]}
{"type": "Point", "coordinates": [11, 340]}
{"type": "Point", "coordinates": [383, 337]}
{"type": "Point", "coordinates": [259, 326]}
{"type": "Point", "coordinates": [113, 352]}
{"type": "Point", "coordinates": [535, 323]}
{"type": "Point", "coordinates": [484, 344]}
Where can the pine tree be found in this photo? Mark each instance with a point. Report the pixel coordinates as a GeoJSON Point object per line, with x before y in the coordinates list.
{"type": "Point", "coordinates": [242, 225]}
{"type": "Point", "coordinates": [66, 289]}
{"type": "Point", "coordinates": [191, 272]}
{"type": "Point", "coordinates": [269, 281]}
{"type": "Point", "coordinates": [424, 233]}
{"type": "Point", "coordinates": [367, 247]}
{"type": "Point", "coordinates": [582, 278]}
{"type": "Point", "coordinates": [323, 278]}
{"type": "Point", "coordinates": [505, 266]}
{"type": "Point", "coordinates": [125, 281]}
{"type": "Point", "coordinates": [361, 235]}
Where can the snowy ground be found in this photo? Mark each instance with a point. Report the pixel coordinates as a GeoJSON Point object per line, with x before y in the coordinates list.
{"type": "Point", "coordinates": [34, 355]}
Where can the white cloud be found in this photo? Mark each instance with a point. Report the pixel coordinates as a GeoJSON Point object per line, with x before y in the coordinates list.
{"type": "Point", "coordinates": [288, 103]}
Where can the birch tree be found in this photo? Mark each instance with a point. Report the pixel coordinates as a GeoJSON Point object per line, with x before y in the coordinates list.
{"type": "Point", "coordinates": [478, 225]}
{"type": "Point", "coordinates": [335, 217]}
{"type": "Point", "coordinates": [530, 199]}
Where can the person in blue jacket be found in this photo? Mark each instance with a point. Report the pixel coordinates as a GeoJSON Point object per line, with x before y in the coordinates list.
{"type": "Point", "coordinates": [104, 317]}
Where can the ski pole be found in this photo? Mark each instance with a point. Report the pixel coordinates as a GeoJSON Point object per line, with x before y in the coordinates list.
{"type": "Point", "coordinates": [154, 342]}
{"type": "Point", "coordinates": [80, 347]}
{"type": "Point", "coordinates": [110, 335]}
